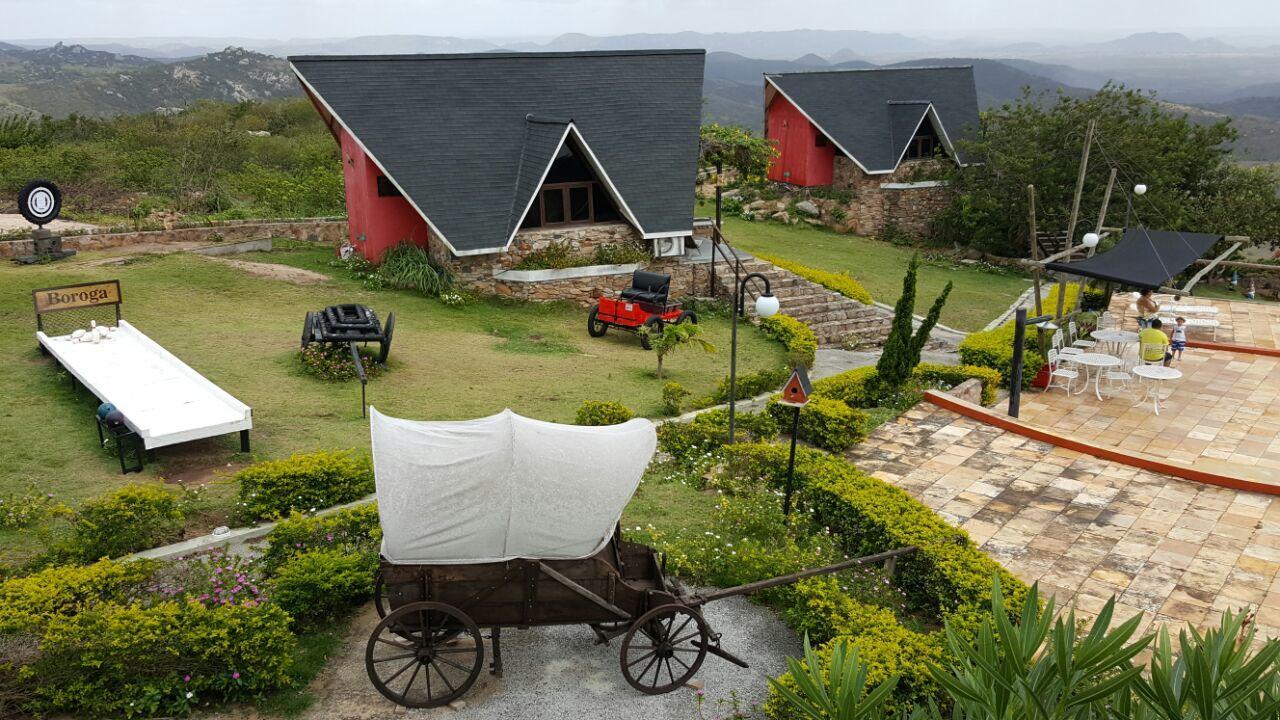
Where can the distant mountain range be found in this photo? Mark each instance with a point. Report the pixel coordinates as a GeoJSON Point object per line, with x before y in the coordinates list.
{"type": "Point", "coordinates": [1209, 77]}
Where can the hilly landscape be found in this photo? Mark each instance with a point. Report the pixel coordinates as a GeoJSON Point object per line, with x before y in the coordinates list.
{"type": "Point", "coordinates": [1206, 78]}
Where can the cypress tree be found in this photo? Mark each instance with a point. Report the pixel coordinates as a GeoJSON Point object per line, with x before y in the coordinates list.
{"type": "Point", "coordinates": [902, 348]}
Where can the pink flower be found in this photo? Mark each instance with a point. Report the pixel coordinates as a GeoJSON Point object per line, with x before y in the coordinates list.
{"type": "Point", "coordinates": [186, 678]}
{"type": "Point", "coordinates": [235, 676]}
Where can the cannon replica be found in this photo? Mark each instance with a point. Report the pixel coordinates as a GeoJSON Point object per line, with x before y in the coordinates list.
{"type": "Point", "coordinates": [507, 522]}
{"type": "Point", "coordinates": [349, 324]}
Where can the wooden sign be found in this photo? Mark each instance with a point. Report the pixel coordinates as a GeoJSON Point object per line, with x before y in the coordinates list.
{"type": "Point", "coordinates": [70, 297]}
{"type": "Point", "coordinates": [798, 388]}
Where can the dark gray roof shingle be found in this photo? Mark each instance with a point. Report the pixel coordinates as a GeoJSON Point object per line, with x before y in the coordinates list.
{"type": "Point", "coordinates": [467, 137]}
{"type": "Point", "coordinates": [867, 112]}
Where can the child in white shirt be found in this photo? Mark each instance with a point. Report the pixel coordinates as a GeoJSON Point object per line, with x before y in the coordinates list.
{"type": "Point", "coordinates": [1178, 338]}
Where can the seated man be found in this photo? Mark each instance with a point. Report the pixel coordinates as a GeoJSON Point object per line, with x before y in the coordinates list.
{"type": "Point", "coordinates": [1153, 344]}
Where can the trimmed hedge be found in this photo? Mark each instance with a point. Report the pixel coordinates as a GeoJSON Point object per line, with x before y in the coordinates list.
{"type": "Point", "coordinates": [749, 385]}
{"type": "Point", "coordinates": [303, 483]}
{"type": "Point", "coordinates": [947, 576]}
{"type": "Point", "coordinates": [125, 661]}
{"type": "Point", "coordinates": [949, 376]}
{"type": "Point", "coordinates": [827, 423]}
{"type": "Point", "coordinates": [131, 518]}
{"type": "Point", "coordinates": [800, 342]}
{"type": "Point", "coordinates": [837, 282]}
{"type": "Point", "coordinates": [852, 387]}
{"type": "Point", "coordinates": [322, 584]}
{"type": "Point", "coordinates": [602, 412]}
{"type": "Point", "coordinates": [353, 529]}
{"type": "Point", "coordinates": [688, 443]}
{"type": "Point", "coordinates": [28, 603]}
{"type": "Point", "coordinates": [994, 348]}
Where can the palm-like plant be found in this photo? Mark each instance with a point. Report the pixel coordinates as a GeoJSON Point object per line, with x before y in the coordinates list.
{"type": "Point", "coordinates": [834, 692]}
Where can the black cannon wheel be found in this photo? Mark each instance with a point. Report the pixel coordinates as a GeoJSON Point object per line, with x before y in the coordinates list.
{"type": "Point", "coordinates": [654, 326]}
{"type": "Point", "coordinates": [308, 329]}
{"type": "Point", "coordinates": [595, 327]}
{"type": "Point", "coordinates": [425, 654]}
{"type": "Point", "coordinates": [664, 649]}
{"type": "Point", "coordinates": [387, 330]}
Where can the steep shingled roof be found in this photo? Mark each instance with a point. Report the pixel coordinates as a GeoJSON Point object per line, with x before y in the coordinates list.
{"type": "Point", "coordinates": [468, 137]}
{"type": "Point", "coordinates": [872, 114]}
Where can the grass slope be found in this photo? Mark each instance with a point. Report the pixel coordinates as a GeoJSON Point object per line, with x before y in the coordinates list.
{"type": "Point", "coordinates": [242, 333]}
{"type": "Point", "coordinates": [978, 297]}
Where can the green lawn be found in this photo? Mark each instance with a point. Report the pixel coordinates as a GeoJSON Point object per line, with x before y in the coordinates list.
{"type": "Point", "coordinates": [978, 297]}
{"type": "Point", "coordinates": [242, 333]}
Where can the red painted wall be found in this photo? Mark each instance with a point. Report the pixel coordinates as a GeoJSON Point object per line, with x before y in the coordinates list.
{"type": "Point", "coordinates": [375, 223]}
{"type": "Point", "coordinates": [800, 161]}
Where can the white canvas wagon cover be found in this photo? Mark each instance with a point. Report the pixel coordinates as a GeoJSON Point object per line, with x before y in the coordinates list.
{"type": "Point", "coordinates": [503, 487]}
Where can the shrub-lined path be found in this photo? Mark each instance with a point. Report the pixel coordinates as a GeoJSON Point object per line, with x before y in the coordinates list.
{"type": "Point", "coordinates": [1170, 550]}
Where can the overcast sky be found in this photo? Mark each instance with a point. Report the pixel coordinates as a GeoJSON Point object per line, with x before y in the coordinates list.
{"type": "Point", "coordinates": [1059, 20]}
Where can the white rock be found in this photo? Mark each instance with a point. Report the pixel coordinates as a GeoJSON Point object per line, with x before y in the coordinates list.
{"type": "Point", "coordinates": [807, 207]}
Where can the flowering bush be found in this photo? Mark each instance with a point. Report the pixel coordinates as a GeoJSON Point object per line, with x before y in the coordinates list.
{"type": "Point", "coordinates": [332, 362]}
{"type": "Point", "coordinates": [799, 340]}
{"type": "Point", "coordinates": [303, 483]}
{"type": "Point", "coordinates": [692, 444]}
{"type": "Point", "coordinates": [31, 507]}
{"type": "Point", "coordinates": [321, 584]}
{"type": "Point", "coordinates": [28, 603]}
{"type": "Point", "coordinates": [126, 661]}
{"type": "Point", "coordinates": [354, 529]}
{"type": "Point", "coordinates": [211, 578]}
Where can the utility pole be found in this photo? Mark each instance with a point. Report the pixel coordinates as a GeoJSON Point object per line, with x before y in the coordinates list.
{"type": "Point", "coordinates": [1075, 209]}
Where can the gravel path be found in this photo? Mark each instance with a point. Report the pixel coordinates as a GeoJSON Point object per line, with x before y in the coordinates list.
{"type": "Point", "coordinates": [558, 674]}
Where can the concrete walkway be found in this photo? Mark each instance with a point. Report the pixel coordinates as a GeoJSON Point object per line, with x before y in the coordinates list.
{"type": "Point", "coordinates": [1170, 550]}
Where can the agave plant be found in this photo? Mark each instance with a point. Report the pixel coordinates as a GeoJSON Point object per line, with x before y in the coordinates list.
{"type": "Point", "coordinates": [1214, 676]}
{"type": "Point", "coordinates": [833, 692]}
{"type": "Point", "coordinates": [1037, 665]}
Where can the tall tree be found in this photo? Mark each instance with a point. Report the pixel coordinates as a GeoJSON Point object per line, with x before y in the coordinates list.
{"type": "Point", "coordinates": [902, 348]}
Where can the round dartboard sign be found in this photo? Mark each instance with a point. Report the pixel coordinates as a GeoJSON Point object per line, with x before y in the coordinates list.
{"type": "Point", "coordinates": [39, 202]}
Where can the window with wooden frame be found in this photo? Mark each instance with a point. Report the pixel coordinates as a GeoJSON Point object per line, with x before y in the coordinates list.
{"type": "Point", "coordinates": [925, 145]}
{"type": "Point", "coordinates": [571, 195]}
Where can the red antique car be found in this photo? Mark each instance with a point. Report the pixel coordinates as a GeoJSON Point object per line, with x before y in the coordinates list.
{"type": "Point", "coordinates": [644, 304]}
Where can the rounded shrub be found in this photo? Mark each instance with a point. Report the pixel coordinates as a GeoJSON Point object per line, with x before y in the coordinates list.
{"type": "Point", "coordinates": [321, 584]}
{"type": "Point", "coordinates": [28, 603]}
{"type": "Point", "coordinates": [303, 483]}
{"type": "Point", "coordinates": [673, 396]}
{"type": "Point", "coordinates": [351, 529]}
{"type": "Point", "coordinates": [799, 340]}
{"type": "Point", "coordinates": [132, 518]}
{"type": "Point", "coordinates": [602, 412]}
{"type": "Point", "coordinates": [824, 422]}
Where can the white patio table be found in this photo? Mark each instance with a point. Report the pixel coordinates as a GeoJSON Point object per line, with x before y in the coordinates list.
{"type": "Point", "coordinates": [1155, 374]}
{"type": "Point", "coordinates": [1100, 361]}
{"type": "Point", "coordinates": [1116, 340]}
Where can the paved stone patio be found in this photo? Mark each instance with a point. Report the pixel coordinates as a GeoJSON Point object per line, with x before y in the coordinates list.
{"type": "Point", "coordinates": [1222, 415]}
{"type": "Point", "coordinates": [1242, 322]}
{"type": "Point", "coordinates": [1170, 550]}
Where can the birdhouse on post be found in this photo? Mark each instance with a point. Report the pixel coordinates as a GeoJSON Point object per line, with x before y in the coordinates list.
{"type": "Point", "coordinates": [798, 388]}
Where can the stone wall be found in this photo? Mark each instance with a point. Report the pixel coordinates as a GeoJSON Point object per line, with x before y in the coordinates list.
{"type": "Point", "coordinates": [895, 198]}
{"type": "Point", "coordinates": [582, 286]}
{"type": "Point", "coordinates": [321, 230]}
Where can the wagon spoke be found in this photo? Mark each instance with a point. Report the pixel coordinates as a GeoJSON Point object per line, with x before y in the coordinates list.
{"type": "Point", "coordinates": [645, 671]}
{"type": "Point", "coordinates": [695, 651]}
{"type": "Point", "coordinates": [688, 619]}
{"type": "Point", "coordinates": [395, 657]}
{"type": "Point", "coordinates": [431, 665]}
{"type": "Point", "coordinates": [412, 676]}
{"type": "Point", "coordinates": [400, 672]}
{"type": "Point", "coordinates": [677, 659]}
{"type": "Point", "coordinates": [670, 675]}
{"type": "Point", "coordinates": [453, 664]}
{"type": "Point", "coordinates": [456, 650]}
{"type": "Point", "coordinates": [690, 636]}
{"type": "Point", "coordinates": [392, 643]}
{"type": "Point", "coordinates": [642, 657]}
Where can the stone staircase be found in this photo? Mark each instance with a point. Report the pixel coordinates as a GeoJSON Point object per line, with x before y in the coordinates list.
{"type": "Point", "coordinates": [837, 320]}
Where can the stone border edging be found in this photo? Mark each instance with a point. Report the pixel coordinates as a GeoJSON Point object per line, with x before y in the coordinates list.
{"type": "Point", "coordinates": [982, 414]}
{"type": "Point", "coordinates": [1230, 347]}
{"type": "Point", "coordinates": [582, 271]}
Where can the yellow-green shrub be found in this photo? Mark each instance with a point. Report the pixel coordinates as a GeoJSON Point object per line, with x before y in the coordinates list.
{"type": "Point", "coordinates": [688, 443]}
{"type": "Point", "coordinates": [748, 385]}
{"type": "Point", "coordinates": [352, 529]}
{"type": "Point", "coordinates": [321, 584]}
{"type": "Point", "coordinates": [303, 483]}
{"type": "Point", "coordinates": [28, 603]}
{"type": "Point", "coordinates": [948, 376]}
{"type": "Point", "coordinates": [852, 387]}
{"type": "Point", "coordinates": [836, 282]}
{"type": "Point", "coordinates": [827, 423]}
{"type": "Point", "coordinates": [602, 412]}
{"type": "Point", "coordinates": [800, 342]}
{"type": "Point", "coordinates": [125, 661]}
{"type": "Point", "coordinates": [994, 349]}
{"type": "Point", "coordinates": [131, 518]}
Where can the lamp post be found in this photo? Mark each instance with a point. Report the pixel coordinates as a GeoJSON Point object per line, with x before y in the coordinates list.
{"type": "Point", "coordinates": [766, 306]}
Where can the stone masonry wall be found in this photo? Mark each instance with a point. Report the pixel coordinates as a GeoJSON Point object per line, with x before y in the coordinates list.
{"type": "Point", "coordinates": [874, 207]}
{"type": "Point", "coordinates": [686, 279]}
{"type": "Point", "coordinates": [322, 230]}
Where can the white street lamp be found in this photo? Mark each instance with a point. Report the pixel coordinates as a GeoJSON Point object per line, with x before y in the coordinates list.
{"type": "Point", "coordinates": [1090, 240]}
{"type": "Point", "coordinates": [766, 305]}
{"type": "Point", "coordinates": [1139, 189]}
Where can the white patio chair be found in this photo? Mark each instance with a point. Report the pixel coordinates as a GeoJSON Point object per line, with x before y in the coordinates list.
{"type": "Point", "coordinates": [1077, 341]}
{"type": "Point", "coordinates": [1064, 352]}
{"type": "Point", "coordinates": [1106, 321]}
{"type": "Point", "coordinates": [1119, 376]}
{"type": "Point", "coordinates": [1067, 376]}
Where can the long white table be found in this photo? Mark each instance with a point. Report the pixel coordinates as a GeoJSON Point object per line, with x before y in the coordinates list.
{"type": "Point", "coordinates": [162, 398]}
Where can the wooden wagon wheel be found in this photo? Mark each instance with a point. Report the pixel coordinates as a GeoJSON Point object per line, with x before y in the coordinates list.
{"type": "Point", "coordinates": [380, 601]}
{"type": "Point", "coordinates": [431, 652]}
{"type": "Point", "coordinates": [664, 648]}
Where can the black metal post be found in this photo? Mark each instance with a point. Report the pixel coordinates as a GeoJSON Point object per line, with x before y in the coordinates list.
{"type": "Point", "coordinates": [360, 373]}
{"type": "Point", "coordinates": [718, 194]}
{"type": "Point", "coordinates": [244, 441]}
{"type": "Point", "coordinates": [739, 306]}
{"type": "Point", "coordinates": [1015, 377]}
{"type": "Point", "coordinates": [791, 465]}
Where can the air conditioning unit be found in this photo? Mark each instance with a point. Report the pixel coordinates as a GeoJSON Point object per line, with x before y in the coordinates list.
{"type": "Point", "coordinates": [668, 247]}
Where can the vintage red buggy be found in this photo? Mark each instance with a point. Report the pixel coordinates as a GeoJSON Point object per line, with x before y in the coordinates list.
{"type": "Point", "coordinates": [644, 304]}
{"type": "Point", "coordinates": [507, 522]}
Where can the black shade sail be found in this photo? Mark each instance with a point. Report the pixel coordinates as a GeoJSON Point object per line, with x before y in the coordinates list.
{"type": "Point", "coordinates": [1143, 258]}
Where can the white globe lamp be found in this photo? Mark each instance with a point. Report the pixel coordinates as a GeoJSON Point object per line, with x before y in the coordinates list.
{"type": "Point", "coordinates": [766, 305]}
{"type": "Point", "coordinates": [1139, 189]}
{"type": "Point", "coordinates": [1090, 240]}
